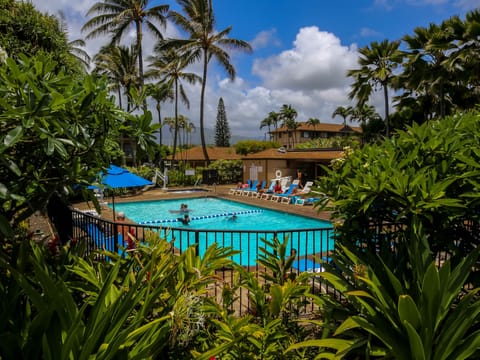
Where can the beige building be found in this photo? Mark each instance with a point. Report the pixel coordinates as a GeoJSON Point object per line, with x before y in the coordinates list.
{"type": "Point", "coordinates": [267, 164]}
{"type": "Point", "coordinates": [273, 163]}
{"type": "Point", "coordinates": [304, 132]}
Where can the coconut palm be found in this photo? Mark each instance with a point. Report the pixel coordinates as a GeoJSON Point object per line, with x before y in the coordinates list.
{"type": "Point", "coordinates": [288, 115]}
{"type": "Point", "coordinates": [428, 51]}
{"type": "Point", "coordinates": [377, 63]}
{"type": "Point", "coordinates": [75, 49]}
{"type": "Point", "coordinates": [169, 64]}
{"type": "Point", "coordinates": [160, 92]}
{"type": "Point", "coordinates": [344, 112]}
{"type": "Point", "coordinates": [117, 63]}
{"type": "Point", "coordinates": [75, 46]}
{"type": "Point", "coordinates": [271, 119]}
{"type": "Point", "coordinates": [313, 122]}
{"type": "Point", "coordinates": [363, 114]}
{"type": "Point", "coordinates": [189, 129]}
{"type": "Point", "coordinates": [205, 43]}
{"type": "Point", "coordinates": [114, 18]}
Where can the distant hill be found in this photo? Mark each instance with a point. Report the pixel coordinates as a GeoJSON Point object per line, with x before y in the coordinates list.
{"type": "Point", "coordinates": [209, 138]}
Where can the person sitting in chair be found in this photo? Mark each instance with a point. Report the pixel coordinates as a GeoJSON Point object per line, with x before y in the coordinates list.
{"type": "Point", "coordinates": [277, 189]}
{"type": "Point", "coordinates": [127, 232]}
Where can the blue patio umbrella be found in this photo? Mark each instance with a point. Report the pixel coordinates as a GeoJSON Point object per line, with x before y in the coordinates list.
{"type": "Point", "coordinates": [118, 177]}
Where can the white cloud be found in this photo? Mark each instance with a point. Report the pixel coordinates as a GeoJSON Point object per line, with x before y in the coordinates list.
{"type": "Point", "coordinates": [265, 38]}
{"type": "Point", "coordinates": [317, 61]}
{"type": "Point", "coordinates": [367, 32]}
{"type": "Point", "coordinates": [311, 76]}
{"type": "Point", "coordinates": [467, 4]}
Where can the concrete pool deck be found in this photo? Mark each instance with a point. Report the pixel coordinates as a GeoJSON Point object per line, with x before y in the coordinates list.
{"type": "Point", "coordinates": [221, 191]}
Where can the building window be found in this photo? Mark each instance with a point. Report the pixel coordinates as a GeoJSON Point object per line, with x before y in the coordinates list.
{"type": "Point", "coordinates": [305, 134]}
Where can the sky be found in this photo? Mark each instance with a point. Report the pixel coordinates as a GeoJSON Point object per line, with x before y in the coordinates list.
{"type": "Point", "coordinates": [302, 50]}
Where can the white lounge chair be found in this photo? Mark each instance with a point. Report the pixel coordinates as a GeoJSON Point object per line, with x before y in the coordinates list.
{"type": "Point", "coordinates": [307, 188]}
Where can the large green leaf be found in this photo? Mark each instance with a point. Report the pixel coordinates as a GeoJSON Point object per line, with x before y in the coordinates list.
{"type": "Point", "coordinates": [408, 311]}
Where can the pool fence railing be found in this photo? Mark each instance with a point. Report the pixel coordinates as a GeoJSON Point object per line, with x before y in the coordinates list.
{"type": "Point", "coordinates": [310, 244]}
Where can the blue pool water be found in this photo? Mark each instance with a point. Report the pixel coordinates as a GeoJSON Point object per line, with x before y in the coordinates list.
{"type": "Point", "coordinates": [216, 214]}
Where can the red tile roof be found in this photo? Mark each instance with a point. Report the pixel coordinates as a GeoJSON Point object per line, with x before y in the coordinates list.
{"type": "Point", "coordinates": [222, 153]}
{"type": "Point", "coordinates": [310, 154]}
{"type": "Point", "coordinates": [324, 127]}
{"type": "Point", "coordinates": [214, 153]}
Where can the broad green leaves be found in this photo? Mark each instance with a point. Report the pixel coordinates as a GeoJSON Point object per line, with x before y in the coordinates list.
{"type": "Point", "coordinates": [55, 128]}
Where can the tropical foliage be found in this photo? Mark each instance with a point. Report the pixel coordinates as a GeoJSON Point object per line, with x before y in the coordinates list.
{"type": "Point", "coordinates": [407, 238]}
{"type": "Point", "coordinates": [56, 132]}
{"type": "Point", "coordinates": [148, 305]}
{"type": "Point", "coordinates": [429, 172]}
{"type": "Point", "coordinates": [229, 171]}
{"type": "Point", "coordinates": [246, 147]}
{"type": "Point", "coordinates": [114, 18]}
{"type": "Point", "coordinates": [169, 66]}
{"type": "Point", "coordinates": [336, 142]}
{"type": "Point", "coordinates": [24, 30]}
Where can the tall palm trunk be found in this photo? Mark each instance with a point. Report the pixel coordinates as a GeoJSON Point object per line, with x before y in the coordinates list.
{"type": "Point", "coordinates": [119, 96]}
{"type": "Point", "coordinates": [138, 25]}
{"type": "Point", "coordinates": [202, 102]}
{"type": "Point", "coordinates": [159, 123]}
{"type": "Point", "coordinates": [387, 121]}
{"type": "Point", "coordinates": [175, 134]}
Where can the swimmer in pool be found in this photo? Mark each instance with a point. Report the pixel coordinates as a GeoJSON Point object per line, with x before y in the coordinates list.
{"type": "Point", "coordinates": [183, 209]}
{"type": "Point", "coordinates": [185, 220]}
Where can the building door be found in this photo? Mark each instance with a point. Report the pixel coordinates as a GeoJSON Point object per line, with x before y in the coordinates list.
{"type": "Point", "coordinates": [253, 172]}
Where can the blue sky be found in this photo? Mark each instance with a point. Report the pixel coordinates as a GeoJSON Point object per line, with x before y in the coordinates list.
{"type": "Point", "coordinates": [302, 50]}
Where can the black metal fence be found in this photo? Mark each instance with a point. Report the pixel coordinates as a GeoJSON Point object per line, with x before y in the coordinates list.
{"type": "Point", "coordinates": [310, 245]}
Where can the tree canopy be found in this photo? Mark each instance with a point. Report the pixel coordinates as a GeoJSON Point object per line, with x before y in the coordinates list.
{"type": "Point", "coordinates": [25, 30]}
{"type": "Point", "coordinates": [56, 132]}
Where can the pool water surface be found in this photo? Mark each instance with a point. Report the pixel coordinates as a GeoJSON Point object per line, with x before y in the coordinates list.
{"type": "Point", "coordinates": [216, 214]}
{"type": "Point", "coordinates": [212, 222]}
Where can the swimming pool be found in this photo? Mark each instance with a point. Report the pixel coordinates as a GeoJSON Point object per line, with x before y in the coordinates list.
{"type": "Point", "coordinates": [212, 221]}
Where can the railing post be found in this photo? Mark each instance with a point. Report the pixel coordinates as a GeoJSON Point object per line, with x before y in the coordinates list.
{"type": "Point", "coordinates": [197, 243]}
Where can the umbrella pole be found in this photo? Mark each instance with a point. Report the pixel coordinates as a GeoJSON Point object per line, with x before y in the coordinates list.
{"type": "Point", "coordinates": [113, 207]}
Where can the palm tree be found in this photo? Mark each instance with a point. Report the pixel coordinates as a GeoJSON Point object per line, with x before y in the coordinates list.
{"type": "Point", "coordinates": [170, 122]}
{"type": "Point", "coordinates": [288, 114]}
{"type": "Point", "coordinates": [118, 64]}
{"type": "Point", "coordinates": [205, 43]}
{"type": "Point", "coordinates": [364, 113]}
{"type": "Point", "coordinates": [313, 122]}
{"type": "Point", "coordinates": [114, 18]}
{"type": "Point", "coordinates": [425, 69]}
{"type": "Point", "coordinates": [377, 63]}
{"type": "Point", "coordinates": [189, 129]}
{"type": "Point", "coordinates": [169, 64]}
{"type": "Point", "coordinates": [75, 46]}
{"type": "Point", "coordinates": [75, 49]}
{"type": "Point", "coordinates": [160, 92]}
{"type": "Point", "coordinates": [344, 112]}
{"type": "Point", "coordinates": [270, 120]}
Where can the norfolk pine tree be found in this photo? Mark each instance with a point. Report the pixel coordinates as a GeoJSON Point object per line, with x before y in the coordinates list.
{"type": "Point", "coordinates": [222, 130]}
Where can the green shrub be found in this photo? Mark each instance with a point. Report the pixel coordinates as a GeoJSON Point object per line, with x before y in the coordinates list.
{"type": "Point", "coordinates": [229, 171]}
{"type": "Point", "coordinates": [407, 216]}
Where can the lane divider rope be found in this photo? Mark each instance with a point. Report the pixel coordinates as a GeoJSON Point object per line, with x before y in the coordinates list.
{"type": "Point", "coordinates": [202, 217]}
